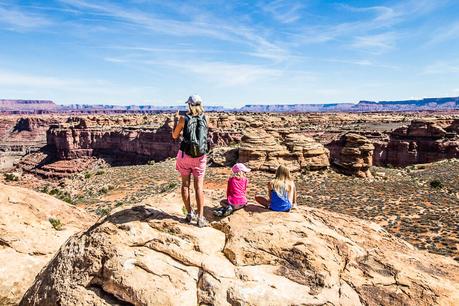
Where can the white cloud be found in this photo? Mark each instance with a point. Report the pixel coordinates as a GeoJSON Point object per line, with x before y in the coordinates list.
{"type": "Point", "coordinates": [17, 19]}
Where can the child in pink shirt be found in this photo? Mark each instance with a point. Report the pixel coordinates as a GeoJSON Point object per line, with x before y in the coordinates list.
{"type": "Point", "coordinates": [236, 191]}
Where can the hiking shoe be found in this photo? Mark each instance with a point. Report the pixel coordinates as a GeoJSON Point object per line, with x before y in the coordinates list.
{"type": "Point", "coordinates": [228, 211]}
{"type": "Point", "coordinates": [219, 211]}
{"type": "Point", "coordinates": [190, 216]}
{"type": "Point", "coordinates": [202, 222]}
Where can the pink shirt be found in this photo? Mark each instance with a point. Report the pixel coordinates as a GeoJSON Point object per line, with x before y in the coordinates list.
{"type": "Point", "coordinates": [235, 193]}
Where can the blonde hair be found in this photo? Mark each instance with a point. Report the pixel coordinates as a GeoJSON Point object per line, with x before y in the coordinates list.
{"type": "Point", "coordinates": [195, 110]}
{"type": "Point", "coordinates": [283, 181]}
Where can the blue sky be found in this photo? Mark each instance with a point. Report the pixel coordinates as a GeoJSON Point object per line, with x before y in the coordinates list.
{"type": "Point", "coordinates": [230, 52]}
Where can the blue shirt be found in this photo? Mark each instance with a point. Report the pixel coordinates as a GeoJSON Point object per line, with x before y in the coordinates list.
{"type": "Point", "coordinates": [280, 202]}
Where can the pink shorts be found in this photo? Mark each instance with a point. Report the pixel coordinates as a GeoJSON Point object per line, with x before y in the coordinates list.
{"type": "Point", "coordinates": [186, 164]}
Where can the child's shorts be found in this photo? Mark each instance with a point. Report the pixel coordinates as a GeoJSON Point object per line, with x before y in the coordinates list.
{"type": "Point", "coordinates": [187, 165]}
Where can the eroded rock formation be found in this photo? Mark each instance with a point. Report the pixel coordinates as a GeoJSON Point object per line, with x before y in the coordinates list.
{"type": "Point", "coordinates": [262, 151]}
{"type": "Point", "coordinates": [423, 141]}
{"type": "Point", "coordinates": [27, 238]}
{"type": "Point", "coordinates": [143, 256]}
{"type": "Point", "coordinates": [352, 154]}
{"type": "Point", "coordinates": [105, 137]}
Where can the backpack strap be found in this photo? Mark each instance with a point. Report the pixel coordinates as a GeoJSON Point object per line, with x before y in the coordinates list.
{"type": "Point", "coordinates": [184, 143]}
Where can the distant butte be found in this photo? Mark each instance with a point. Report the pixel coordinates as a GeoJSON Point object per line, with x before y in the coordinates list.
{"type": "Point", "coordinates": [45, 106]}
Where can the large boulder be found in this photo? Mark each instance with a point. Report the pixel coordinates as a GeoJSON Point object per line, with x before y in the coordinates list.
{"type": "Point", "coordinates": [28, 240]}
{"type": "Point", "coordinates": [144, 256]}
{"type": "Point", "coordinates": [261, 150]}
{"type": "Point", "coordinates": [352, 154]}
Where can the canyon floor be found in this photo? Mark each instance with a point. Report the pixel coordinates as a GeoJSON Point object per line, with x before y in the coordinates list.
{"type": "Point", "coordinates": [418, 203]}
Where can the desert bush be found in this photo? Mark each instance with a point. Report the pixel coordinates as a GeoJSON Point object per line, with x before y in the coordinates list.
{"type": "Point", "coordinates": [56, 223]}
{"type": "Point", "coordinates": [11, 177]}
{"type": "Point", "coordinates": [87, 175]}
{"type": "Point", "coordinates": [168, 187]}
{"type": "Point", "coordinates": [100, 172]}
{"type": "Point", "coordinates": [102, 211]}
{"type": "Point", "coordinates": [103, 190]}
{"type": "Point", "coordinates": [437, 184]}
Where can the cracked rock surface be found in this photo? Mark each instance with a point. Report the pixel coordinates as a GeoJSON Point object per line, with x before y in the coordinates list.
{"type": "Point", "coordinates": [146, 255]}
{"type": "Point", "coordinates": [28, 241]}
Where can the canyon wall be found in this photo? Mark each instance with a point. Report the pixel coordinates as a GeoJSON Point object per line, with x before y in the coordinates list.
{"type": "Point", "coordinates": [423, 141]}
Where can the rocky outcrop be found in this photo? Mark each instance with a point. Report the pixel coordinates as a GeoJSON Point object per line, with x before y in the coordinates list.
{"type": "Point", "coordinates": [28, 240]}
{"type": "Point", "coordinates": [125, 138]}
{"type": "Point", "coordinates": [262, 151]}
{"type": "Point", "coordinates": [21, 135]}
{"type": "Point", "coordinates": [144, 256]}
{"type": "Point", "coordinates": [423, 141]}
{"type": "Point", "coordinates": [310, 154]}
{"type": "Point", "coordinates": [122, 143]}
{"type": "Point", "coordinates": [223, 156]}
{"type": "Point", "coordinates": [352, 154]}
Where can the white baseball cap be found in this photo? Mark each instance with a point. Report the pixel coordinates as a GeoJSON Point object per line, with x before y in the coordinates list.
{"type": "Point", "coordinates": [194, 100]}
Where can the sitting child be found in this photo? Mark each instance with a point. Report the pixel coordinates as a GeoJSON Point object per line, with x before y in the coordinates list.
{"type": "Point", "coordinates": [235, 192]}
{"type": "Point", "coordinates": [281, 191]}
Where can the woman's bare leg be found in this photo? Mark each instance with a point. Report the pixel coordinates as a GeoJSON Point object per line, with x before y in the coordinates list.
{"type": "Point", "coordinates": [262, 200]}
{"type": "Point", "coordinates": [199, 190]}
{"type": "Point", "coordinates": [186, 192]}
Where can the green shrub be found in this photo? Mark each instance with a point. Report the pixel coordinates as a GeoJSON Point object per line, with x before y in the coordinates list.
{"type": "Point", "coordinates": [436, 184]}
{"type": "Point", "coordinates": [56, 223]}
{"type": "Point", "coordinates": [168, 187]}
{"type": "Point", "coordinates": [103, 190]}
{"type": "Point", "coordinates": [11, 177]}
{"type": "Point", "coordinates": [87, 175]}
{"type": "Point", "coordinates": [100, 172]}
{"type": "Point", "coordinates": [102, 211]}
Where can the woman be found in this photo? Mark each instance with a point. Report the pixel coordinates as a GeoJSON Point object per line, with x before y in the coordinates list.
{"type": "Point", "coordinates": [281, 191]}
{"type": "Point", "coordinates": [192, 156]}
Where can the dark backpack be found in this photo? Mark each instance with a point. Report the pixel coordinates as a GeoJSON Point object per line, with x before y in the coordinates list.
{"type": "Point", "coordinates": [194, 141]}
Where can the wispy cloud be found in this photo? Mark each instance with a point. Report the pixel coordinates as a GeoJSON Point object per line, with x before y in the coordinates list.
{"type": "Point", "coordinates": [362, 62]}
{"type": "Point", "coordinates": [375, 30]}
{"type": "Point", "coordinates": [19, 85]}
{"type": "Point", "coordinates": [442, 67]}
{"type": "Point", "coordinates": [203, 26]}
{"type": "Point", "coordinates": [225, 74]}
{"type": "Point", "coordinates": [282, 10]}
{"type": "Point", "coordinates": [446, 33]}
{"type": "Point", "coordinates": [377, 43]}
{"type": "Point", "coordinates": [16, 19]}
{"type": "Point", "coordinates": [9, 78]}
{"type": "Point", "coordinates": [219, 73]}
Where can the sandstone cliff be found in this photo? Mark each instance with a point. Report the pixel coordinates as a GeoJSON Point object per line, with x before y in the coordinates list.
{"type": "Point", "coordinates": [262, 151]}
{"type": "Point", "coordinates": [423, 141]}
{"type": "Point", "coordinates": [28, 240]}
{"type": "Point", "coordinates": [147, 256]}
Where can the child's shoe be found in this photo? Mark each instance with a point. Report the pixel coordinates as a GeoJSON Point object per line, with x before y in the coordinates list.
{"type": "Point", "coordinates": [190, 216]}
{"type": "Point", "coordinates": [219, 211]}
{"type": "Point", "coordinates": [202, 222]}
{"type": "Point", "coordinates": [228, 210]}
